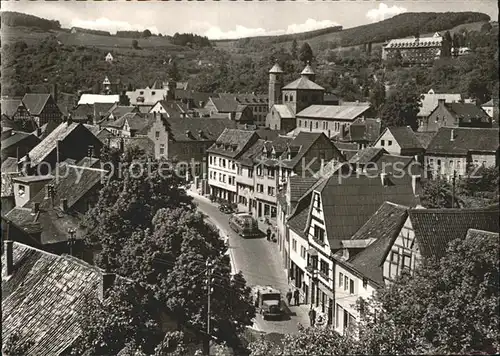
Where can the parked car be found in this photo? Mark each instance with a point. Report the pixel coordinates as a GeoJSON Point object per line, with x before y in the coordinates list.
{"type": "Point", "coordinates": [268, 302]}
{"type": "Point", "coordinates": [244, 224]}
{"type": "Point", "coordinates": [227, 208]}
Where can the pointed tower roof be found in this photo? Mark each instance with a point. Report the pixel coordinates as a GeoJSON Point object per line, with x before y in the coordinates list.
{"type": "Point", "coordinates": [308, 70]}
{"type": "Point", "coordinates": [106, 81]}
{"type": "Point", "coordinates": [276, 69]}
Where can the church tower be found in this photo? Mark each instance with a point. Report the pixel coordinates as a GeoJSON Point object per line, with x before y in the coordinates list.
{"type": "Point", "coordinates": [308, 72]}
{"type": "Point", "coordinates": [275, 84]}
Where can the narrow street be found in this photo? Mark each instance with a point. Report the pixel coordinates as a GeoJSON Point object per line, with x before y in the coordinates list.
{"type": "Point", "coordinates": [260, 262]}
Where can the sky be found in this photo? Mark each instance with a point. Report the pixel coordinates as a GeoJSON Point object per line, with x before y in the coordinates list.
{"type": "Point", "coordinates": [234, 19]}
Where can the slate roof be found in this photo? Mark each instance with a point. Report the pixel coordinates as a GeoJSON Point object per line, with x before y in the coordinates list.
{"type": "Point", "coordinates": [245, 98]}
{"type": "Point", "coordinates": [430, 102]}
{"type": "Point", "coordinates": [303, 83]}
{"type": "Point", "coordinates": [349, 202]}
{"type": "Point", "coordinates": [300, 144]}
{"type": "Point", "coordinates": [333, 112]}
{"type": "Point", "coordinates": [467, 111]}
{"type": "Point", "coordinates": [83, 112]}
{"type": "Point", "coordinates": [224, 105]}
{"type": "Point", "coordinates": [405, 137]}
{"type": "Point", "coordinates": [9, 106]}
{"type": "Point", "coordinates": [140, 123]}
{"type": "Point", "coordinates": [267, 134]}
{"type": "Point", "coordinates": [307, 70]}
{"type": "Point", "coordinates": [425, 138]}
{"type": "Point", "coordinates": [384, 227]}
{"type": "Point", "coordinates": [42, 299]}
{"type": "Point", "coordinates": [236, 140]}
{"type": "Point", "coordinates": [9, 165]}
{"type": "Point", "coordinates": [366, 155]}
{"type": "Point", "coordinates": [435, 228]}
{"type": "Point", "coordinates": [299, 186]}
{"type": "Point", "coordinates": [284, 111]}
{"type": "Point", "coordinates": [48, 144]}
{"type": "Point", "coordinates": [248, 157]}
{"type": "Point", "coordinates": [35, 102]}
{"type": "Point", "coordinates": [200, 129]}
{"type": "Point", "coordinates": [18, 137]}
{"type": "Point", "coordinates": [365, 130]}
{"type": "Point", "coordinates": [106, 109]}
{"type": "Point", "coordinates": [465, 140]}
{"type": "Point", "coordinates": [387, 163]}
{"type": "Point", "coordinates": [346, 146]}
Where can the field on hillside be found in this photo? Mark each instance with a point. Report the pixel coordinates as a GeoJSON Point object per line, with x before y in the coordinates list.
{"type": "Point", "coordinates": [112, 43]}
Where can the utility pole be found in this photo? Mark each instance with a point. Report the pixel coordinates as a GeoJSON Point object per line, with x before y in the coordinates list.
{"type": "Point", "coordinates": [209, 292]}
{"type": "Point", "coordinates": [454, 179]}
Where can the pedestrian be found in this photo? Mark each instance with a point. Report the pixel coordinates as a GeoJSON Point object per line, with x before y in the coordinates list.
{"type": "Point", "coordinates": [296, 297]}
{"type": "Point", "coordinates": [289, 296]}
{"type": "Point", "coordinates": [273, 237]}
{"type": "Point", "coordinates": [268, 233]}
{"type": "Point", "coordinates": [312, 315]}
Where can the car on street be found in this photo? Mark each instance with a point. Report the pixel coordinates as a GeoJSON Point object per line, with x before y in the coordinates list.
{"type": "Point", "coordinates": [268, 302]}
{"type": "Point", "coordinates": [244, 224]}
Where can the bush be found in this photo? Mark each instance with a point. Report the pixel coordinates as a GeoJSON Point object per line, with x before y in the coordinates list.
{"type": "Point", "coordinates": [135, 44]}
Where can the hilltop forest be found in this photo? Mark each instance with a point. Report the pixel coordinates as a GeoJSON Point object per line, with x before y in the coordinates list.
{"type": "Point", "coordinates": [354, 73]}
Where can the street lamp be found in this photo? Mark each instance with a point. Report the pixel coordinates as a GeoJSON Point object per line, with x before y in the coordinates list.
{"type": "Point", "coordinates": [71, 239]}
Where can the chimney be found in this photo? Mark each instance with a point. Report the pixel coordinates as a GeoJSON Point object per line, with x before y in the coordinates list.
{"type": "Point", "coordinates": [452, 135]}
{"type": "Point", "coordinates": [64, 204]}
{"type": "Point", "coordinates": [9, 254]}
{"type": "Point", "coordinates": [107, 282]}
{"type": "Point", "coordinates": [441, 101]}
{"type": "Point", "coordinates": [36, 208]}
{"type": "Point", "coordinates": [39, 131]}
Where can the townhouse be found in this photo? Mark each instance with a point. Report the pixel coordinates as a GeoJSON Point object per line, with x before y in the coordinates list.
{"type": "Point", "coordinates": [222, 167]}
{"type": "Point", "coordinates": [456, 114]}
{"type": "Point", "coordinates": [394, 241]}
{"type": "Point", "coordinates": [400, 141]}
{"type": "Point", "coordinates": [363, 132]}
{"type": "Point", "coordinates": [43, 108]}
{"type": "Point", "coordinates": [185, 140]}
{"type": "Point", "coordinates": [430, 101]}
{"type": "Point", "coordinates": [258, 105]}
{"type": "Point", "coordinates": [331, 211]}
{"type": "Point", "coordinates": [17, 144]}
{"type": "Point", "coordinates": [230, 108]}
{"type": "Point", "coordinates": [461, 150]}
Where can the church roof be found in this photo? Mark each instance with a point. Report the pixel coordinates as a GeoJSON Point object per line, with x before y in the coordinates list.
{"type": "Point", "coordinates": [276, 69]}
{"type": "Point", "coordinates": [307, 70]}
{"type": "Point", "coordinates": [303, 83]}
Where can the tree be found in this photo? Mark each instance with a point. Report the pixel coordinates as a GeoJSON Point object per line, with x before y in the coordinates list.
{"type": "Point", "coordinates": [477, 88]}
{"type": "Point", "coordinates": [294, 48]}
{"type": "Point", "coordinates": [446, 45]}
{"type": "Point", "coordinates": [437, 193]}
{"type": "Point", "coordinates": [309, 341]}
{"type": "Point", "coordinates": [401, 107]}
{"type": "Point", "coordinates": [305, 53]}
{"type": "Point", "coordinates": [146, 33]}
{"type": "Point", "coordinates": [377, 95]}
{"type": "Point", "coordinates": [149, 231]}
{"type": "Point", "coordinates": [135, 44]}
{"type": "Point", "coordinates": [128, 316]}
{"type": "Point", "coordinates": [173, 72]}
